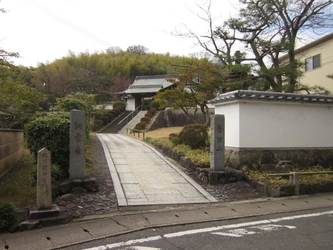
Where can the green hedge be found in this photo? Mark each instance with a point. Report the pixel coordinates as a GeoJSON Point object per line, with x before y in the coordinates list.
{"type": "Point", "coordinates": [194, 135]}
{"type": "Point", "coordinates": [66, 104]}
{"type": "Point", "coordinates": [119, 103]}
{"type": "Point", "coordinates": [7, 215]}
{"type": "Point", "coordinates": [50, 131]}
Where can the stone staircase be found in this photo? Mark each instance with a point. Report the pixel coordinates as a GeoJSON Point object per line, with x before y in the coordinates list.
{"type": "Point", "coordinates": [131, 124]}
{"type": "Point", "coordinates": [116, 125]}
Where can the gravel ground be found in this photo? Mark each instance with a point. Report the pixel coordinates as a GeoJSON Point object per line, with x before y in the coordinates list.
{"type": "Point", "coordinates": [102, 202]}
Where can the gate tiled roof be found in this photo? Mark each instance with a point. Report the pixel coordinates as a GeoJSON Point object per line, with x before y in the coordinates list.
{"type": "Point", "coordinates": [150, 84]}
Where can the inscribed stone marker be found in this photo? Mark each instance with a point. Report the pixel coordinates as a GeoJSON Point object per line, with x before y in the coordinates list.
{"type": "Point", "coordinates": [217, 143]}
{"type": "Point", "coordinates": [44, 189]}
{"type": "Point", "coordinates": [77, 134]}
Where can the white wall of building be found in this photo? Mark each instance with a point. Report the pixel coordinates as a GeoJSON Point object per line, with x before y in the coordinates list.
{"type": "Point", "coordinates": [318, 76]}
{"type": "Point", "coordinates": [281, 125]}
{"type": "Point", "coordinates": [130, 104]}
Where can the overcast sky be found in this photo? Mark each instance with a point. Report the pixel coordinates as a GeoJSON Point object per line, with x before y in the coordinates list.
{"type": "Point", "coordinates": [45, 30]}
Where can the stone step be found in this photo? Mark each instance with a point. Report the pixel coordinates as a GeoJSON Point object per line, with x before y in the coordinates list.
{"type": "Point", "coordinates": [114, 127]}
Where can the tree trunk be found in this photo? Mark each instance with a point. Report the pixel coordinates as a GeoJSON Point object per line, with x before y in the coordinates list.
{"type": "Point", "coordinates": [293, 66]}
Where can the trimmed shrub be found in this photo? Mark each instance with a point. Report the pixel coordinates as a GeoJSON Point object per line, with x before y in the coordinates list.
{"type": "Point", "coordinates": [109, 115]}
{"type": "Point", "coordinates": [103, 97]}
{"type": "Point", "coordinates": [155, 105]}
{"type": "Point", "coordinates": [105, 119]}
{"type": "Point", "coordinates": [7, 215]}
{"type": "Point", "coordinates": [99, 123]}
{"type": "Point", "coordinates": [149, 115]}
{"type": "Point", "coordinates": [119, 103]}
{"type": "Point", "coordinates": [140, 126]}
{"type": "Point", "coordinates": [50, 131]}
{"type": "Point", "coordinates": [172, 135]}
{"type": "Point", "coordinates": [175, 141]}
{"type": "Point", "coordinates": [145, 119]}
{"type": "Point", "coordinates": [118, 110]}
{"type": "Point", "coordinates": [66, 104]}
{"type": "Point", "coordinates": [114, 113]}
{"type": "Point", "coordinates": [194, 135]}
{"type": "Point", "coordinates": [153, 111]}
{"type": "Point", "coordinates": [122, 108]}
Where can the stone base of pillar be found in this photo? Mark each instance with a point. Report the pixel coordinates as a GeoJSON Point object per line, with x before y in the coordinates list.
{"type": "Point", "coordinates": [226, 176]}
{"type": "Point", "coordinates": [42, 218]}
{"type": "Point", "coordinates": [217, 177]}
{"type": "Point", "coordinates": [34, 213]}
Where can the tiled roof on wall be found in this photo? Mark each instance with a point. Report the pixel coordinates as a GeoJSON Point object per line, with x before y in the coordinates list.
{"type": "Point", "coordinates": [270, 96]}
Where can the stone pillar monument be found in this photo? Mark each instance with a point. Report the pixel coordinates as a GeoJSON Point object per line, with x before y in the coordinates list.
{"type": "Point", "coordinates": [77, 134]}
{"type": "Point", "coordinates": [44, 211]}
{"type": "Point", "coordinates": [217, 143]}
{"type": "Point", "coordinates": [44, 189]}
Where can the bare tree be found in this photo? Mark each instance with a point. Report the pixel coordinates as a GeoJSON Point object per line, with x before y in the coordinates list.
{"type": "Point", "coordinates": [137, 49]}
{"type": "Point", "coordinates": [210, 42]}
{"type": "Point", "coordinates": [267, 29]}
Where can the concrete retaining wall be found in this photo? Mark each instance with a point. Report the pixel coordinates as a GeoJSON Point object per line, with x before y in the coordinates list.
{"type": "Point", "coordinates": [11, 148]}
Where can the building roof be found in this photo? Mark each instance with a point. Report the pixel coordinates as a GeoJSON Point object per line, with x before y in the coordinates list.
{"type": "Point", "coordinates": [310, 45]}
{"type": "Point", "coordinates": [150, 84]}
{"type": "Point", "coordinates": [270, 96]}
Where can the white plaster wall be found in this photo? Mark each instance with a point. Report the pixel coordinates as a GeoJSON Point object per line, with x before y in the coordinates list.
{"type": "Point", "coordinates": [231, 117]}
{"type": "Point", "coordinates": [277, 125]}
{"type": "Point", "coordinates": [105, 106]}
{"type": "Point", "coordinates": [130, 105]}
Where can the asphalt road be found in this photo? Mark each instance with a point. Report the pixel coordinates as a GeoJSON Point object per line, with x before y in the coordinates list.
{"type": "Point", "coordinates": [311, 229]}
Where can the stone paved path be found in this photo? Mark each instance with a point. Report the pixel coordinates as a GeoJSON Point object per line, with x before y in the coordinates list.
{"type": "Point", "coordinates": [104, 201]}
{"type": "Point", "coordinates": [142, 176]}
